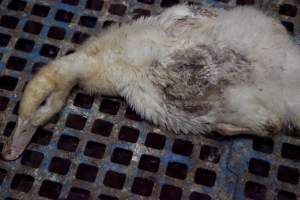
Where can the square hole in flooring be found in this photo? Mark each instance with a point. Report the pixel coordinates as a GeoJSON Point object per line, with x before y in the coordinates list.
{"type": "Point", "coordinates": [56, 33]}
{"type": "Point", "coordinates": [170, 192]}
{"type": "Point", "coordinates": [9, 128]}
{"type": "Point", "coordinates": [78, 194]}
{"type": "Point", "coordinates": [79, 37]}
{"type": "Point", "coordinates": [121, 156]}
{"type": "Point", "coordinates": [199, 196]}
{"type": "Point", "coordinates": [146, 1]}
{"type": "Point", "coordinates": [59, 165]}
{"type": "Point", "coordinates": [3, 103]}
{"type": "Point", "coordinates": [22, 182]}
{"type": "Point", "coordinates": [131, 114]}
{"type": "Point", "coordinates": [168, 3]}
{"type": "Point", "coordinates": [182, 147]}
{"type": "Point", "coordinates": [149, 163]}
{"type": "Point", "coordinates": [75, 121]}
{"type": "Point", "coordinates": [94, 4]}
{"type": "Point", "coordinates": [255, 190]}
{"type": "Point", "coordinates": [101, 127]}
{"type": "Point", "coordinates": [284, 195]}
{"type": "Point", "coordinates": [290, 151]}
{"type": "Point", "coordinates": [107, 24]}
{"type": "Point", "coordinates": [264, 145]}
{"type": "Point", "coordinates": [137, 13]}
{"type": "Point", "coordinates": [177, 170]}
{"type": "Point", "coordinates": [289, 26]}
{"type": "Point", "coordinates": [245, 2]}
{"type": "Point", "coordinates": [114, 179]}
{"type": "Point", "coordinates": [49, 50]}
{"type": "Point", "coordinates": [142, 186]}
{"type": "Point", "coordinates": [259, 167]}
{"type": "Point", "coordinates": [68, 143]}
{"type": "Point", "coordinates": [288, 175]}
{"type": "Point", "coordinates": [86, 172]}
{"type": "Point", "coordinates": [9, 21]}
{"type": "Point", "coordinates": [71, 2]}
{"type": "Point", "coordinates": [288, 10]}
{"type": "Point", "coordinates": [129, 134]}
{"type": "Point", "coordinates": [205, 177]}
{"type": "Point", "coordinates": [40, 10]}
{"type": "Point", "coordinates": [83, 101]}
{"type": "Point", "coordinates": [24, 45]}
{"type": "Point", "coordinates": [109, 106]}
{"type": "Point", "coordinates": [107, 197]}
{"type": "Point", "coordinates": [209, 153]}
{"type": "Point", "coordinates": [16, 63]}
{"type": "Point", "coordinates": [42, 136]}
{"type": "Point", "coordinates": [3, 173]}
{"type": "Point", "coordinates": [17, 5]}
{"type": "Point", "coordinates": [33, 27]}
{"type": "Point", "coordinates": [155, 141]}
{"type": "Point", "coordinates": [117, 9]}
{"type": "Point", "coordinates": [50, 189]}
{"type": "Point", "coordinates": [32, 158]}
{"type": "Point", "coordinates": [64, 16]}
{"type": "Point", "coordinates": [94, 149]}
{"type": "Point", "coordinates": [8, 82]}
{"type": "Point", "coordinates": [88, 21]}
{"type": "Point", "coordinates": [4, 39]}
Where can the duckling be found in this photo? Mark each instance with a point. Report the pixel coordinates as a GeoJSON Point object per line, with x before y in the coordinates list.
{"type": "Point", "coordinates": [190, 69]}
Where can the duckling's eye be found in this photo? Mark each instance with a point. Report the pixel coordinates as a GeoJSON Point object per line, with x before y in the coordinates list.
{"type": "Point", "coordinates": [43, 103]}
{"type": "Point", "coordinates": [71, 51]}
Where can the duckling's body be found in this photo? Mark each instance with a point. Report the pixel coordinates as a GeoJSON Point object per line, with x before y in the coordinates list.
{"type": "Point", "coordinates": [190, 69]}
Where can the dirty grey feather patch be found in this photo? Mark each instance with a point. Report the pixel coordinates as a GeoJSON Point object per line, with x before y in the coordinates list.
{"type": "Point", "coordinates": [193, 80]}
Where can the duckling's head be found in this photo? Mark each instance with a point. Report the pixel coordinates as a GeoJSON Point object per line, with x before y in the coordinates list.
{"type": "Point", "coordinates": [43, 96]}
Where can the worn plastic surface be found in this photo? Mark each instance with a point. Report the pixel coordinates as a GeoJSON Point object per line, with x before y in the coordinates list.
{"type": "Point", "coordinates": [98, 148]}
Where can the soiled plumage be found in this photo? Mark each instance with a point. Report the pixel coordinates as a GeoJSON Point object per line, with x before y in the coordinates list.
{"type": "Point", "coordinates": [189, 69]}
{"type": "Point", "coordinates": [192, 82]}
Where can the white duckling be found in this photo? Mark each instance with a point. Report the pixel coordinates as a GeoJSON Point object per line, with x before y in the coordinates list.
{"type": "Point", "coordinates": [189, 69]}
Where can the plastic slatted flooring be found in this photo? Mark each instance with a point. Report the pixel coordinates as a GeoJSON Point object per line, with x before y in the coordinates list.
{"type": "Point", "coordinates": [98, 148]}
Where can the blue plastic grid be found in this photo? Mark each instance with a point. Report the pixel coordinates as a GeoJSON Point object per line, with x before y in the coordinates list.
{"type": "Point", "coordinates": [98, 148]}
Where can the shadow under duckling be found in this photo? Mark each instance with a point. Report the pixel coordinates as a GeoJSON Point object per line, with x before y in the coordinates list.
{"type": "Point", "coordinates": [189, 69]}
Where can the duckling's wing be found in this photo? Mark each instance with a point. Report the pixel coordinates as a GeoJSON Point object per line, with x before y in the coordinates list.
{"type": "Point", "coordinates": [192, 81]}
{"type": "Point", "coordinates": [182, 91]}
{"type": "Point", "coordinates": [183, 18]}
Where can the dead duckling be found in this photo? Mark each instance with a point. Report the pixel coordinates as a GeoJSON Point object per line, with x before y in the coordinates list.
{"type": "Point", "coordinates": [189, 69]}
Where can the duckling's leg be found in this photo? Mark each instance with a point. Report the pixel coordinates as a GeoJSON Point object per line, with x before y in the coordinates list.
{"type": "Point", "coordinates": [247, 113]}
{"type": "Point", "coordinates": [267, 128]}
{"type": "Point", "coordinates": [230, 129]}
{"type": "Point", "coordinates": [258, 121]}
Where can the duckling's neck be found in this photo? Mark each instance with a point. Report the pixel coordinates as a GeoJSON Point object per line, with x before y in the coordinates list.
{"type": "Point", "coordinates": [84, 70]}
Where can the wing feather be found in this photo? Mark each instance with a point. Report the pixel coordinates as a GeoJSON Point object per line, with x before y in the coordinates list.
{"type": "Point", "coordinates": [194, 79]}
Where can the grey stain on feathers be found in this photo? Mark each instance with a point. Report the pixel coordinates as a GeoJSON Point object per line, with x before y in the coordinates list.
{"type": "Point", "coordinates": [197, 77]}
